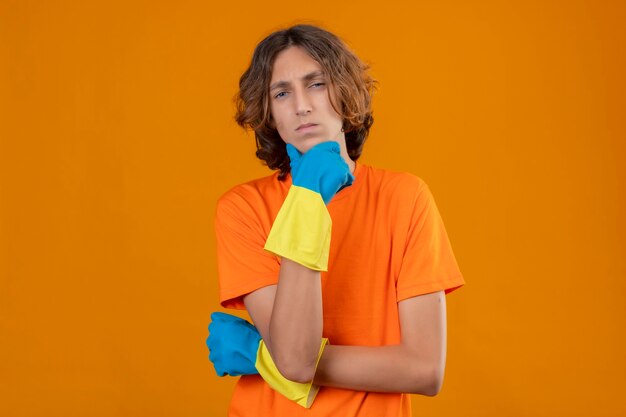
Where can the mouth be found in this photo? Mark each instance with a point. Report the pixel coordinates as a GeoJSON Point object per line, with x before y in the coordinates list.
{"type": "Point", "coordinates": [305, 126]}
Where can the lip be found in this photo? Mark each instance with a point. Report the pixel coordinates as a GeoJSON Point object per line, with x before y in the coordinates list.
{"type": "Point", "coordinates": [305, 126]}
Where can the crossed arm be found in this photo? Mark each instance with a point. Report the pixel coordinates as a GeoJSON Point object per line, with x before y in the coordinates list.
{"type": "Point", "coordinates": [289, 318]}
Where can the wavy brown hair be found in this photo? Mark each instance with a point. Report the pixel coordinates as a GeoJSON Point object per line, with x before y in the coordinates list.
{"type": "Point", "coordinates": [349, 80]}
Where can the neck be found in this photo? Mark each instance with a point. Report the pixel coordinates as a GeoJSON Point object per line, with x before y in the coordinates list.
{"type": "Point", "coordinates": [350, 163]}
{"type": "Point", "coordinates": [341, 139]}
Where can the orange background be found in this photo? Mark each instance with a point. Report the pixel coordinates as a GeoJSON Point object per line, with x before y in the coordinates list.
{"type": "Point", "coordinates": [116, 139]}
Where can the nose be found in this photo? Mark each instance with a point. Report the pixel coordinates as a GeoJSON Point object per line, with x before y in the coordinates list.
{"type": "Point", "coordinates": [303, 103]}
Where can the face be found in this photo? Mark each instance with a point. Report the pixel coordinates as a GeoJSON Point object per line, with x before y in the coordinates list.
{"type": "Point", "coordinates": [300, 102]}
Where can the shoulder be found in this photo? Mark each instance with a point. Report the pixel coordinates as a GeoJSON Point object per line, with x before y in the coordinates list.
{"type": "Point", "coordinates": [399, 184]}
{"type": "Point", "coordinates": [252, 191]}
{"type": "Point", "coordinates": [252, 197]}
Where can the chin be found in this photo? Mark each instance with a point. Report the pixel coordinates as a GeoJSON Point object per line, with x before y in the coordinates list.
{"type": "Point", "coordinates": [304, 145]}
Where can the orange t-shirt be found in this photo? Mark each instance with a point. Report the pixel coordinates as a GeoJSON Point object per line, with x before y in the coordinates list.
{"type": "Point", "coordinates": [388, 244]}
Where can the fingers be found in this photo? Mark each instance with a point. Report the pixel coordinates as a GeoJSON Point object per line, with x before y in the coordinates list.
{"type": "Point", "coordinates": [221, 322]}
{"type": "Point", "coordinates": [293, 152]}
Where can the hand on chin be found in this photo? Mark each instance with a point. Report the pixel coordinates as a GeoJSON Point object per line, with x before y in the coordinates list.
{"type": "Point", "coordinates": [303, 144]}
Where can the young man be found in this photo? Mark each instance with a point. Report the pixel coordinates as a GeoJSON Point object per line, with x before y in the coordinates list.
{"type": "Point", "coordinates": [342, 267]}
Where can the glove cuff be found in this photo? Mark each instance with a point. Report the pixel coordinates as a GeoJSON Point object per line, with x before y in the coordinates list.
{"type": "Point", "coordinates": [302, 394]}
{"type": "Point", "coordinates": [301, 231]}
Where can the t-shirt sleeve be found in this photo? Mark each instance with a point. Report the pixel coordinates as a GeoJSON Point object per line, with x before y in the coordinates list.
{"type": "Point", "coordinates": [428, 264]}
{"type": "Point", "coordinates": [243, 265]}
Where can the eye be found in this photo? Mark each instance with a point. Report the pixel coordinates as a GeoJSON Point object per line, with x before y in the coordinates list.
{"type": "Point", "coordinates": [280, 94]}
{"type": "Point", "coordinates": [317, 85]}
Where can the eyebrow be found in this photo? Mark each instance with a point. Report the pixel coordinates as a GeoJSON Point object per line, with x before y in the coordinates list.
{"type": "Point", "coordinates": [306, 78]}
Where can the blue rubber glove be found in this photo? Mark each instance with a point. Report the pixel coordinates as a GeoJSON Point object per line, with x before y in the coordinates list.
{"type": "Point", "coordinates": [233, 343]}
{"type": "Point", "coordinates": [321, 169]}
{"type": "Point", "coordinates": [302, 228]}
{"type": "Point", "coordinates": [236, 348]}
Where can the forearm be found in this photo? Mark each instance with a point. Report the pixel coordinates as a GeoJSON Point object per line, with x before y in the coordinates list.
{"type": "Point", "coordinates": [416, 365]}
{"type": "Point", "coordinates": [394, 368]}
{"type": "Point", "coordinates": [295, 328]}
{"type": "Point", "coordinates": [300, 235]}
